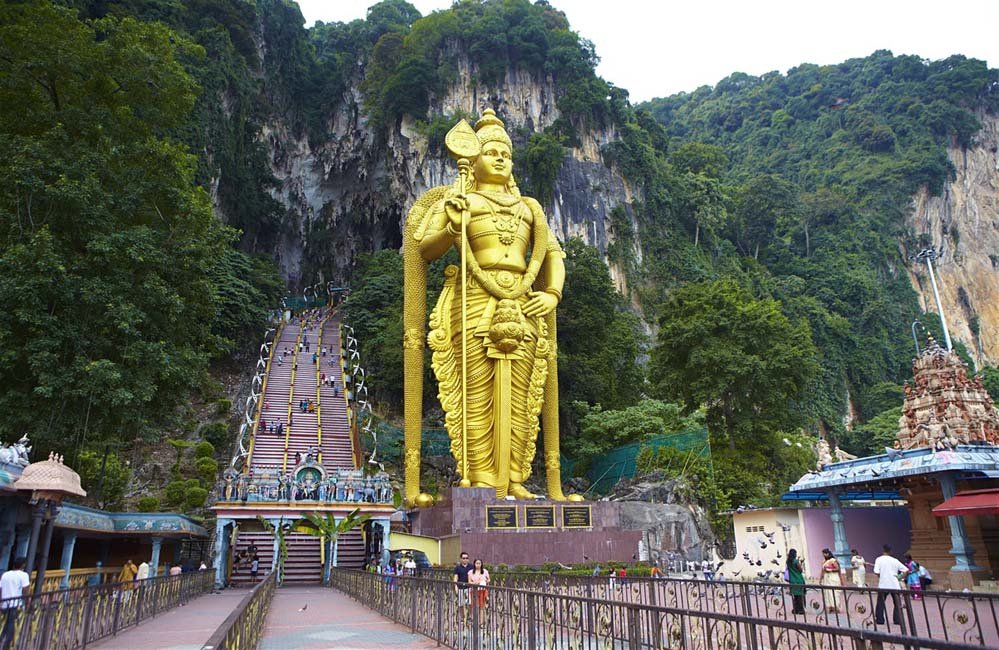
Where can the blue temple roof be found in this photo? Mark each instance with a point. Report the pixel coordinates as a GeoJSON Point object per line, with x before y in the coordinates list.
{"type": "Point", "coordinates": [874, 475]}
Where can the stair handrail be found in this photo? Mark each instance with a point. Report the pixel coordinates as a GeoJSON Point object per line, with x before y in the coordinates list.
{"type": "Point", "coordinates": [263, 392]}
{"type": "Point", "coordinates": [291, 396]}
{"type": "Point", "coordinates": [254, 400]}
{"type": "Point", "coordinates": [319, 402]}
{"type": "Point", "coordinates": [350, 360]}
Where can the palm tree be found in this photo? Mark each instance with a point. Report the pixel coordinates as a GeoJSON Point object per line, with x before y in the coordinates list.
{"type": "Point", "coordinates": [278, 532]}
{"type": "Point", "coordinates": [327, 528]}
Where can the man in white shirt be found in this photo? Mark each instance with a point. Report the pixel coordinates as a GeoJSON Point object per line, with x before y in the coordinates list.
{"type": "Point", "coordinates": [888, 569]}
{"type": "Point", "coordinates": [410, 566]}
{"type": "Point", "coordinates": [12, 585]}
{"type": "Point", "coordinates": [143, 572]}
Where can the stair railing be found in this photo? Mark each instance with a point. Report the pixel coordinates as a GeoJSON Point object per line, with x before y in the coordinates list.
{"type": "Point", "coordinates": [251, 408]}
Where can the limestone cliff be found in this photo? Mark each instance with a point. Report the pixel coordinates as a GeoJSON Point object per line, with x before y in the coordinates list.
{"type": "Point", "coordinates": [349, 193]}
{"type": "Point", "coordinates": [964, 221]}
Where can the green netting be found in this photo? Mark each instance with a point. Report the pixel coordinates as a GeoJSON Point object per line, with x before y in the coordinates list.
{"type": "Point", "coordinates": [435, 442]}
{"type": "Point", "coordinates": [297, 303]}
{"type": "Point", "coordinates": [619, 463]}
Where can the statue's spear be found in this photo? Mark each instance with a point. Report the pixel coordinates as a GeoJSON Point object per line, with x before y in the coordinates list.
{"type": "Point", "coordinates": [463, 145]}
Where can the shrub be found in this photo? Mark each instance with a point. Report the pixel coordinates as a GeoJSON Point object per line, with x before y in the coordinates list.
{"type": "Point", "coordinates": [148, 504]}
{"type": "Point", "coordinates": [216, 433]}
{"type": "Point", "coordinates": [174, 493]}
{"type": "Point", "coordinates": [223, 406]}
{"type": "Point", "coordinates": [207, 468]}
{"type": "Point", "coordinates": [204, 449]}
{"type": "Point", "coordinates": [195, 497]}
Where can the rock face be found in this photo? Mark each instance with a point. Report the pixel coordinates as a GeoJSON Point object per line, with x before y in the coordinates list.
{"type": "Point", "coordinates": [964, 221]}
{"type": "Point", "coordinates": [669, 521]}
{"type": "Point", "coordinates": [349, 193]}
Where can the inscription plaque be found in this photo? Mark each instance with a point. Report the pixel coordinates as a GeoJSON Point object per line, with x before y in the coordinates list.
{"type": "Point", "coordinates": [539, 516]}
{"type": "Point", "coordinates": [501, 517]}
{"type": "Point", "coordinates": [576, 517]}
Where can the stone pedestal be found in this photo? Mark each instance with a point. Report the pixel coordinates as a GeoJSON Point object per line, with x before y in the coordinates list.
{"type": "Point", "coordinates": [527, 532]}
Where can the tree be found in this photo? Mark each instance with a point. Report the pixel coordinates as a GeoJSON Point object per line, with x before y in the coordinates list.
{"type": "Point", "coordinates": [592, 310]}
{"type": "Point", "coordinates": [740, 358]}
{"type": "Point", "coordinates": [600, 430]}
{"type": "Point", "coordinates": [328, 529]}
{"type": "Point", "coordinates": [873, 436]}
{"type": "Point", "coordinates": [106, 245]}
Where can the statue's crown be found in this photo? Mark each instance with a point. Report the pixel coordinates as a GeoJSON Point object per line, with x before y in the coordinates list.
{"type": "Point", "coordinates": [490, 128]}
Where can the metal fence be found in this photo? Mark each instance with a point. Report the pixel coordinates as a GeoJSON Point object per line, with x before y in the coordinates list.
{"type": "Point", "coordinates": [542, 611]}
{"type": "Point", "coordinates": [72, 618]}
{"type": "Point", "coordinates": [244, 626]}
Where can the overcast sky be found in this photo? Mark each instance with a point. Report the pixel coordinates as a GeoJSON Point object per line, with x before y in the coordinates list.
{"type": "Point", "coordinates": [654, 48]}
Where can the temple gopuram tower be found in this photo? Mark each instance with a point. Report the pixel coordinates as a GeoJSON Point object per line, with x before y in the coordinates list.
{"type": "Point", "coordinates": [944, 407]}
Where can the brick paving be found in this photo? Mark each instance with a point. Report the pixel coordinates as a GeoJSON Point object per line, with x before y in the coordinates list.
{"type": "Point", "coordinates": [331, 620]}
{"type": "Point", "coordinates": [183, 628]}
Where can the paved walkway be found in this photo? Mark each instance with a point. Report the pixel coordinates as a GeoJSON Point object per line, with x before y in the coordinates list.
{"type": "Point", "coordinates": [331, 620]}
{"type": "Point", "coordinates": [182, 628]}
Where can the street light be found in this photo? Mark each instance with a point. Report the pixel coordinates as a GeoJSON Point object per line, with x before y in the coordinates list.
{"type": "Point", "coordinates": [928, 255]}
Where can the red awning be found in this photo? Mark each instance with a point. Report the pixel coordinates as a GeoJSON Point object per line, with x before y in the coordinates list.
{"type": "Point", "coordinates": [972, 502]}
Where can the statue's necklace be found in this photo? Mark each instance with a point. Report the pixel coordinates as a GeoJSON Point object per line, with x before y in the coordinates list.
{"type": "Point", "coordinates": [504, 221]}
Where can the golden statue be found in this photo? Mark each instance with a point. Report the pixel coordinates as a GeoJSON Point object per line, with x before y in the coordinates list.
{"type": "Point", "coordinates": [492, 332]}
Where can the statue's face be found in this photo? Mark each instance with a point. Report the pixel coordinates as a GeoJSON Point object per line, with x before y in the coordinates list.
{"type": "Point", "coordinates": [494, 164]}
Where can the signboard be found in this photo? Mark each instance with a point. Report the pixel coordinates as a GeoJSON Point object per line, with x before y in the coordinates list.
{"type": "Point", "coordinates": [501, 516]}
{"type": "Point", "coordinates": [576, 517]}
{"type": "Point", "coordinates": [539, 516]}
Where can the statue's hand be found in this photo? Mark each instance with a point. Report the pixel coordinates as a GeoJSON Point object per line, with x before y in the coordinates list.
{"type": "Point", "coordinates": [540, 304]}
{"type": "Point", "coordinates": [454, 206]}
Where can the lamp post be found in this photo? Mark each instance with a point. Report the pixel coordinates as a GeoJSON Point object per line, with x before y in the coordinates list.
{"type": "Point", "coordinates": [928, 255]}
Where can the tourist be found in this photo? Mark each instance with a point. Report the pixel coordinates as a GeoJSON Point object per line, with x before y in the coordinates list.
{"type": "Point", "coordinates": [143, 572]}
{"type": "Point", "coordinates": [176, 570]}
{"type": "Point", "coordinates": [12, 586]}
{"type": "Point", "coordinates": [128, 572]}
{"type": "Point", "coordinates": [202, 566]}
{"type": "Point", "coordinates": [461, 571]}
{"type": "Point", "coordinates": [336, 390]}
{"type": "Point", "coordinates": [925, 579]}
{"type": "Point", "coordinates": [796, 578]}
{"type": "Point", "coordinates": [831, 577]}
{"type": "Point", "coordinates": [281, 361]}
{"type": "Point", "coordinates": [596, 571]}
{"type": "Point", "coordinates": [859, 565]}
{"type": "Point", "coordinates": [389, 572]}
{"type": "Point", "coordinates": [479, 577]}
{"type": "Point", "coordinates": [706, 569]}
{"type": "Point", "coordinates": [254, 568]}
{"type": "Point", "coordinates": [298, 458]}
{"type": "Point", "coordinates": [888, 569]}
{"type": "Point", "coordinates": [655, 573]}
{"type": "Point", "coordinates": [613, 578]}
{"type": "Point", "coordinates": [912, 579]}
{"type": "Point", "coordinates": [410, 566]}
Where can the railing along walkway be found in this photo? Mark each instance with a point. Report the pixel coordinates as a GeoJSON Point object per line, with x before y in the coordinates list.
{"type": "Point", "coordinates": [545, 618]}
{"type": "Point", "coordinates": [74, 618]}
{"type": "Point", "coordinates": [244, 626]}
{"type": "Point", "coordinates": [970, 618]}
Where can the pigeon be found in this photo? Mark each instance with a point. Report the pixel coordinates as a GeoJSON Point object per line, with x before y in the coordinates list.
{"type": "Point", "coordinates": [769, 536]}
{"type": "Point", "coordinates": [785, 527]}
{"type": "Point", "coordinates": [304, 607]}
{"type": "Point", "coordinates": [775, 562]}
{"type": "Point", "coordinates": [759, 563]}
{"type": "Point", "coordinates": [718, 566]}
{"type": "Point", "coordinates": [745, 556]}
{"type": "Point", "coordinates": [779, 556]}
{"type": "Point", "coordinates": [735, 574]}
{"type": "Point", "coordinates": [892, 453]}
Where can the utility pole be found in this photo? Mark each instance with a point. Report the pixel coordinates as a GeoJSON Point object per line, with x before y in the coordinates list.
{"type": "Point", "coordinates": [928, 255]}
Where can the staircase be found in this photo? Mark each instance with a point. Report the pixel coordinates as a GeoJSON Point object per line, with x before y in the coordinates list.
{"type": "Point", "coordinates": [336, 447]}
{"type": "Point", "coordinates": [304, 564]}
{"type": "Point", "coordinates": [265, 554]}
{"type": "Point", "coordinates": [289, 382]}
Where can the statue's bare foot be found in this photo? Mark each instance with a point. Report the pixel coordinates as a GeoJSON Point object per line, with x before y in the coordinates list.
{"type": "Point", "coordinates": [518, 491]}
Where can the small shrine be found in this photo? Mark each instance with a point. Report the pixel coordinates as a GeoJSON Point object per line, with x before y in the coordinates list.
{"type": "Point", "coordinates": [947, 441]}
